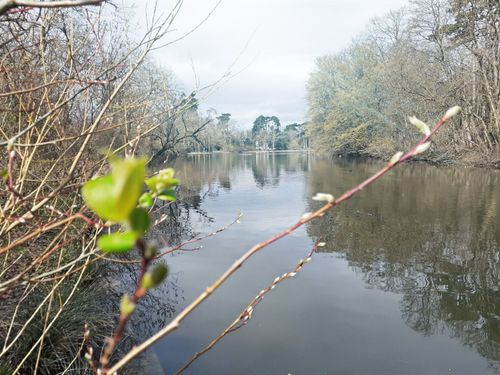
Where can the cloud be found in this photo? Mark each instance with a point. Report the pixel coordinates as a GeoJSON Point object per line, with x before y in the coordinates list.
{"type": "Point", "coordinates": [274, 44]}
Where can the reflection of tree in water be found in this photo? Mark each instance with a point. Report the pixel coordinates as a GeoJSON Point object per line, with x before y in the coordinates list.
{"type": "Point", "coordinates": [205, 174]}
{"type": "Point", "coordinates": [266, 170]}
{"type": "Point", "coordinates": [268, 167]}
{"type": "Point", "coordinates": [210, 173]}
{"type": "Point", "coordinates": [428, 233]}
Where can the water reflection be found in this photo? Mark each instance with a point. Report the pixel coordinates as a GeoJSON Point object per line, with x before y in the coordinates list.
{"type": "Point", "coordinates": [429, 236]}
{"type": "Point", "coordinates": [429, 233]}
{"type": "Point", "coordinates": [212, 172]}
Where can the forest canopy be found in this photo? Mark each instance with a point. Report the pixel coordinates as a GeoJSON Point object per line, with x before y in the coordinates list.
{"type": "Point", "coordinates": [359, 98]}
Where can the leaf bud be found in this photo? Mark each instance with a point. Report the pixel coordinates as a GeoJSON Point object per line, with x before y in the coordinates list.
{"type": "Point", "coordinates": [150, 251]}
{"type": "Point", "coordinates": [453, 111]}
{"type": "Point", "coordinates": [324, 197]}
{"type": "Point", "coordinates": [421, 126]}
{"type": "Point", "coordinates": [154, 278]}
{"type": "Point", "coordinates": [395, 158]}
{"type": "Point", "coordinates": [127, 307]}
{"type": "Point", "coordinates": [422, 148]}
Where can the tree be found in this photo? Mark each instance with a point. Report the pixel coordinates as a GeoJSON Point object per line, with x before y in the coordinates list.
{"type": "Point", "coordinates": [223, 127]}
{"type": "Point", "coordinates": [476, 27]}
{"type": "Point", "coordinates": [180, 124]}
{"type": "Point", "coordinates": [296, 136]}
{"type": "Point", "coordinates": [264, 131]}
{"type": "Point", "coordinates": [420, 59]}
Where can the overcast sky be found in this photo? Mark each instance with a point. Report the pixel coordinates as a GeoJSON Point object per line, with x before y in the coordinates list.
{"type": "Point", "coordinates": [268, 45]}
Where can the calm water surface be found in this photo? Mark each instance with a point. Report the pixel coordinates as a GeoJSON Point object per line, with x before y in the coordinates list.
{"type": "Point", "coordinates": [408, 282]}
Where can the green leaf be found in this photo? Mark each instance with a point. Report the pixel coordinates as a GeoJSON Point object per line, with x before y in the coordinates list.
{"type": "Point", "coordinates": [167, 198]}
{"type": "Point", "coordinates": [168, 183]}
{"type": "Point", "coordinates": [139, 221]}
{"type": "Point", "coordinates": [167, 192]}
{"type": "Point", "coordinates": [146, 200]}
{"type": "Point", "coordinates": [99, 196]}
{"type": "Point", "coordinates": [119, 242]}
{"type": "Point", "coordinates": [154, 278]}
{"type": "Point", "coordinates": [167, 172]}
{"type": "Point", "coordinates": [128, 177]}
{"type": "Point", "coordinates": [162, 180]}
{"type": "Point", "coordinates": [114, 196]}
{"type": "Point", "coordinates": [151, 183]}
{"type": "Point", "coordinates": [167, 195]}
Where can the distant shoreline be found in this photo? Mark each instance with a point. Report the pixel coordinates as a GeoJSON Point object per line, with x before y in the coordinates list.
{"type": "Point", "coordinates": [249, 152]}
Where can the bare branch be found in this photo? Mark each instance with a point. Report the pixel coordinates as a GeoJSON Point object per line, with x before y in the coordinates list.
{"type": "Point", "coordinates": [6, 5]}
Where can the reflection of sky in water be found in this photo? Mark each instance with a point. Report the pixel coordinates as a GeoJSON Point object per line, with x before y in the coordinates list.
{"type": "Point", "coordinates": [392, 294]}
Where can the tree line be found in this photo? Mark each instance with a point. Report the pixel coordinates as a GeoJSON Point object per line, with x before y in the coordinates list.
{"type": "Point", "coordinates": [419, 60]}
{"type": "Point", "coordinates": [266, 134]}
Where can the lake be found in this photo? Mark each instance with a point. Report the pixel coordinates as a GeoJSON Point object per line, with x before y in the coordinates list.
{"type": "Point", "coordinates": [407, 282]}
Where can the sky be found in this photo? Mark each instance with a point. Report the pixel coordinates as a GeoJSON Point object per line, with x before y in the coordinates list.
{"type": "Point", "coordinates": [263, 50]}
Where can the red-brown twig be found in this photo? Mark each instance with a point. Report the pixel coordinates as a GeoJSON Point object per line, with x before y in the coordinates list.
{"type": "Point", "coordinates": [176, 322]}
{"type": "Point", "coordinates": [44, 228]}
{"type": "Point", "coordinates": [19, 10]}
{"type": "Point", "coordinates": [9, 181]}
{"type": "Point", "coordinates": [246, 314]}
{"type": "Point", "coordinates": [124, 318]}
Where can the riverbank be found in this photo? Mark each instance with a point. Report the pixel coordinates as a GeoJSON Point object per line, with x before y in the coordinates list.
{"type": "Point", "coordinates": [470, 159]}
